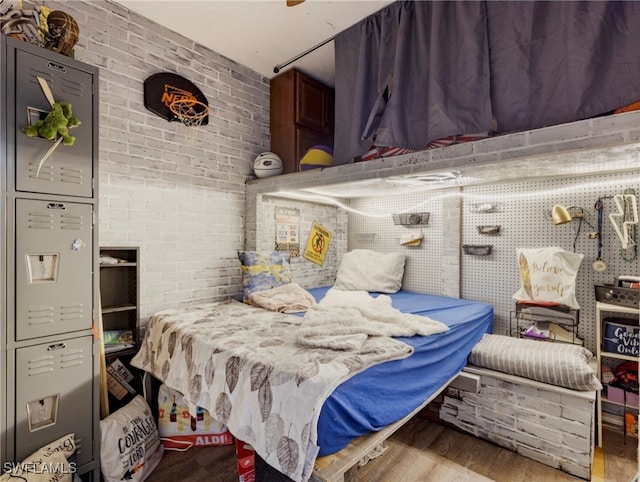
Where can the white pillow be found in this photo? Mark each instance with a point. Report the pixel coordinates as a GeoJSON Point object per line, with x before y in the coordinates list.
{"type": "Point", "coordinates": [366, 270]}
{"type": "Point", "coordinates": [46, 464]}
{"type": "Point", "coordinates": [561, 364]}
{"type": "Point", "coordinates": [130, 445]}
{"type": "Point", "coordinates": [548, 274]}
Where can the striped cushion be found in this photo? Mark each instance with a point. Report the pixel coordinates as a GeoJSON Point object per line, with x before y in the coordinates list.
{"type": "Point", "coordinates": [560, 364]}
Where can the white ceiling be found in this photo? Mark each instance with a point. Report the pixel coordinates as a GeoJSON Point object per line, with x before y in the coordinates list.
{"type": "Point", "coordinates": [261, 34]}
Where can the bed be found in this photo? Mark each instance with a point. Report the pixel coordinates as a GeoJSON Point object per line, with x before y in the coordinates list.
{"type": "Point", "coordinates": [409, 378]}
{"type": "Point", "coordinates": [405, 384]}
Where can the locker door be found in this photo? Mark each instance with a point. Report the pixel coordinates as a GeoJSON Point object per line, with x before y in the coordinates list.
{"type": "Point", "coordinates": [54, 270]}
{"type": "Point", "coordinates": [69, 170]}
{"type": "Point", "coordinates": [54, 396]}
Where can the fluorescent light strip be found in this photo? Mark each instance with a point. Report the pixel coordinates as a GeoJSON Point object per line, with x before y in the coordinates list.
{"type": "Point", "coordinates": [451, 195]}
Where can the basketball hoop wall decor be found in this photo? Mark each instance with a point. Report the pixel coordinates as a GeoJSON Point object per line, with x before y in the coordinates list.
{"type": "Point", "coordinates": [175, 98]}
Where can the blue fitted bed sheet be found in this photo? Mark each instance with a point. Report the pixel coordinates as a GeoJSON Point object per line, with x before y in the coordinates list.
{"type": "Point", "coordinates": [387, 392]}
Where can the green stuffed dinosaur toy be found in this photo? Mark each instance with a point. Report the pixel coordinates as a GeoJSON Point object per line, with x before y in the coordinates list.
{"type": "Point", "coordinates": [57, 122]}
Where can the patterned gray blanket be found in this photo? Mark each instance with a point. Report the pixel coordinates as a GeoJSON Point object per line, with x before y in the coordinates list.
{"type": "Point", "coordinates": [244, 365]}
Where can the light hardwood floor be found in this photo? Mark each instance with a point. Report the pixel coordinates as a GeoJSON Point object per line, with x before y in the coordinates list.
{"type": "Point", "coordinates": [422, 451]}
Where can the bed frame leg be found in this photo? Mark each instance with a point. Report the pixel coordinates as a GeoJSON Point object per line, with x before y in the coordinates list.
{"type": "Point", "coordinates": [351, 475]}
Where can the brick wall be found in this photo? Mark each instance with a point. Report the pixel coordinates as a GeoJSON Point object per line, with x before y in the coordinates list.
{"type": "Point", "coordinates": [177, 192]}
{"type": "Point", "coordinates": [306, 273]}
{"type": "Point", "coordinates": [552, 425]}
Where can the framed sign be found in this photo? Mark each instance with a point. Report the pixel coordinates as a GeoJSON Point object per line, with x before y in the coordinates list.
{"type": "Point", "coordinates": [317, 244]}
{"type": "Point", "coordinates": [287, 231]}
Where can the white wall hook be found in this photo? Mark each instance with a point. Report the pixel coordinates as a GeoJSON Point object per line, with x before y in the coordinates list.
{"type": "Point", "coordinates": [629, 217]}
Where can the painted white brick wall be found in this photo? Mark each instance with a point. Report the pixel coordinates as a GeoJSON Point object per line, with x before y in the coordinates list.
{"type": "Point", "coordinates": [552, 425]}
{"type": "Point", "coordinates": [176, 192]}
{"type": "Point", "coordinates": [306, 273]}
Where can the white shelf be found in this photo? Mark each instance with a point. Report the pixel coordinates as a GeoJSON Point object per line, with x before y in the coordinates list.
{"type": "Point", "coordinates": [616, 308]}
{"type": "Point", "coordinates": [608, 308]}
{"type": "Point", "coordinates": [608, 354]}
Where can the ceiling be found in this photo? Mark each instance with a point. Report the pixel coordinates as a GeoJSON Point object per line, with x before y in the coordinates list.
{"type": "Point", "coordinates": [261, 34]}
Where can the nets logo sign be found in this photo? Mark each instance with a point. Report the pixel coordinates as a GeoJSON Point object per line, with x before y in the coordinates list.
{"type": "Point", "coordinates": [163, 89]}
{"type": "Point", "coordinates": [172, 93]}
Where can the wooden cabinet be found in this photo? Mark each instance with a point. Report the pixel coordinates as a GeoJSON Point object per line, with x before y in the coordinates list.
{"type": "Point", "coordinates": [301, 116]}
{"type": "Point", "coordinates": [120, 311]}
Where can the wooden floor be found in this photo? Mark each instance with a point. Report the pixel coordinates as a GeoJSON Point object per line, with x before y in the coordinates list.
{"type": "Point", "coordinates": [421, 451]}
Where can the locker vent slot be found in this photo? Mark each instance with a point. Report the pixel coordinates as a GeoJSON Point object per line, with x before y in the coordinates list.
{"type": "Point", "coordinates": [40, 221]}
{"type": "Point", "coordinates": [35, 73]}
{"type": "Point", "coordinates": [39, 366]}
{"type": "Point", "coordinates": [72, 359]}
{"type": "Point", "coordinates": [40, 316]}
{"type": "Point", "coordinates": [70, 175]}
{"type": "Point", "coordinates": [45, 174]}
{"type": "Point", "coordinates": [71, 312]}
{"type": "Point", "coordinates": [72, 88]}
{"type": "Point", "coordinates": [70, 222]}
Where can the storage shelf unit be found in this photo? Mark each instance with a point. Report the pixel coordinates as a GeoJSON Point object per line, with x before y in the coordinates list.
{"type": "Point", "coordinates": [120, 310]}
{"type": "Point", "coordinates": [602, 308]}
{"type": "Point", "coordinates": [119, 292]}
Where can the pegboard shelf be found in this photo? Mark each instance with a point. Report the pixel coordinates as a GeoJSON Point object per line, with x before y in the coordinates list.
{"type": "Point", "coordinates": [477, 249]}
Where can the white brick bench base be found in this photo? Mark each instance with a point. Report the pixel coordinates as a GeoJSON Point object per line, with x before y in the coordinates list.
{"type": "Point", "coordinates": [549, 424]}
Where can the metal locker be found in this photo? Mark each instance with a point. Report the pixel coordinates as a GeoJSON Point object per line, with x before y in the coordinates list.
{"type": "Point", "coordinates": [69, 170]}
{"type": "Point", "coordinates": [54, 268]}
{"type": "Point", "coordinates": [54, 394]}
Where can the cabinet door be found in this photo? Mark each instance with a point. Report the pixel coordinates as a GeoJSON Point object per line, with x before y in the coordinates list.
{"type": "Point", "coordinates": [53, 395]}
{"type": "Point", "coordinates": [54, 268]}
{"type": "Point", "coordinates": [312, 104]}
{"type": "Point", "coordinates": [69, 170]}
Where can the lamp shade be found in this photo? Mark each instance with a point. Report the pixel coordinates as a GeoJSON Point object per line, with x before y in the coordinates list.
{"type": "Point", "coordinates": [560, 215]}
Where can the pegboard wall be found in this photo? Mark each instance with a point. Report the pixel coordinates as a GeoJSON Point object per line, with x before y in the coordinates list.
{"type": "Point", "coordinates": [377, 231]}
{"type": "Point", "coordinates": [525, 222]}
{"type": "Point", "coordinates": [438, 265]}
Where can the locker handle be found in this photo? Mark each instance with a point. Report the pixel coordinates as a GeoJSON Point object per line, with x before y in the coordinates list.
{"type": "Point", "coordinates": [58, 67]}
{"type": "Point", "coordinates": [56, 206]}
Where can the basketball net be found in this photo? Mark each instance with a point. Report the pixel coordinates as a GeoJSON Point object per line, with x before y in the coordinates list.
{"type": "Point", "coordinates": [190, 112]}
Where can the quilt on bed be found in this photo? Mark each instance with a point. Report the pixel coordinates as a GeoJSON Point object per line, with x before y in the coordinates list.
{"type": "Point", "coordinates": [245, 365]}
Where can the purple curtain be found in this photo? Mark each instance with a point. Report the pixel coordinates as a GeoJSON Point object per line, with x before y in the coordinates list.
{"type": "Point", "coordinates": [364, 55]}
{"type": "Point", "coordinates": [440, 83]}
{"type": "Point", "coordinates": [560, 61]}
{"type": "Point", "coordinates": [417, 71]}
